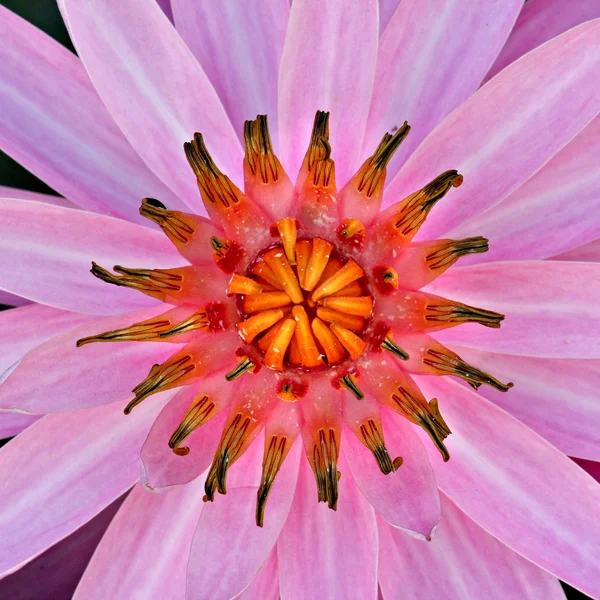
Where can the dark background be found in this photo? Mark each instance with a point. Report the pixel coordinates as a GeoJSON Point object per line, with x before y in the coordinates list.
{"type": "Point", "coordinates": [45, 15]}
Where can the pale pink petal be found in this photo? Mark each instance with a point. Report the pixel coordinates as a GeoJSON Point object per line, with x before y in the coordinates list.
{"type": "Point", "coordinates": [432, 57]}
{"type": "Point", "coordinates": [556, 397]}
{"type": "Point", "coordinates": [540, 21]}
{"type": "Point", "coordinates": [407, 498]}
{"type": "Point", "coordinates": [327, 554]}
{"type": "Point", "coordinates": [589, 252]}
{"type": "Point", "coordinates": [328, 64]}
{"type": "Point", "coordinates": [46, 253]}
{"type": "Point", "coordinates": [56, 573]}
{"type": "Point", "coordinates": [12, 423]}
{"type": "Point", "coordinates": [554, 211]}
{"type": "Point", "coordinates": [508, 129]}
{"type": "Point", "coordinates": [161, 468]}
{"type": "Point", "coordinates": [546, 303]}
{"type": "Point", "coordinates": [517, 486]}
{"type": "Point", "coordinates": [228, 548]}
{"type": "Point", "coordinates": [83, 461]}
{"type": "Point", "coordinates": [18, 194]}
{"type": "Point", "coordinates": [593, 468]}
{"type": "Point", "coordinates": [144, 552]}
{"type": "Point", "coordinates": [239, 45]}
{"type": "Point", "coordinates": [57, 376]}
{"type": "Point", "coordinates": [265, 584]}
{"type": "Point", "coordinates": [153, 87]}
{"type": "Point", "coordinates": [463, 560]}
{"type": "Point", "coordinates": [54, 124]}
{"type": "Point", "coordinates": [24, 328]}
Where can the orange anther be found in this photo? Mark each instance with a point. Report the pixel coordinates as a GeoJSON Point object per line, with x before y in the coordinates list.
{"type": "Point", "coordinates": [295, 356]}
{"type": "Point", "coordinates": [348, 274]}
{"type": "Point", "coordinates": [353, 290]}
{"type": "Point", "coordinates": [353, 344]}
{"type": "Point", "coordinates": [238, 284]}
{"type": "Point", "coordinates": [303, 250]}
{"type": "Point", "coordinates": [330, 344]}
{"type": "Point", "coordinates": [279, 345]}
{"type": "Point", "coordinates": [267, 338]}
{"type": "Point", "coordinates": [288, 232]}
{"type": "Point", "coordinates": [333, 316]}
{"type": "Point", "coordinates": [362, 306]}
{"type": "Point", "coordinates": [251, 327]}
{"type": "Point", "coordinates": [265, 301]}
{"type": "Point", "coordinates": [309, 353]}
{"type": "Point", "coordinates": [351, 228]}
{"type": "Point", "coordinates": [278, 263]}
{"type": "Point", "coordinates": [319, 257]}
{"type": "Point", "coordinates": [261, 269]}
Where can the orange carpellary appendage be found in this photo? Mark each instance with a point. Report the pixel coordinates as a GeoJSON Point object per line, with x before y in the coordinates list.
{"type": "Point", "coordinates": [303, 301]}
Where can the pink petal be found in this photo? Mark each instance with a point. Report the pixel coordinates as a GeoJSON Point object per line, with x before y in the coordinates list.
{"type": "Point", "coordinates": [540, 219]}
{"type": "Point", "coordinates": [432, 57]}
{"type": "Point", "coordinates": [318, 72]}
{"type": "Point", "coordinates": [56, 573]}
{"type": "Point", "coordinates": [228, 548]}
{"type": "Point", "coordinates": [593, 468]}
{"type": "Point", "coordinates": [589, 252]}
{"type": "Point", "coordinates": [161, 468]}
{"type": "Point", "coordinates": [18, 194]}
{"type": "Point", "coordinates": [265, 584]}
{"type": "Point", "coordinates": [144, 552]}
{"type": "Point", "coordinates": [239, 45]}
{"type": "Point", "coordinates": [153, 88]}
{"type": "Point", "coordinates": [463, 560]}
{"type": "Point", "coordinates": [54, 124]}
{"type": "Point", "coordinates": [165, 6]}
{"type": "Point", "coordinates": [386, 11]}
{"type": "Point", "coordinates": [12, 300]}
{"type": "Point", "coordinates": [327, 554]}
{"type": "Point", "coordinates": [517, 486]}
{"type": "Point", "coordinates": [540, 21]}
{"type": "Point", "coordinates": [546, 303]}
{"type": "Point", "coordinates": [47, 251]}
{"type": "Point", "coordinates": [557, 398]}
{"type": "Point", "coordinates": [24, 328]}
{"type": "Point", "coordinates": [407, 498]}
{"type": "Point", "coordinates": [57, 376]}
{"type": "Point", "coordinates": [83, 461]}
{"type": "Point", "coordinates": [12, 423]}
{"type": "Point", "coordinates": [501, 136]}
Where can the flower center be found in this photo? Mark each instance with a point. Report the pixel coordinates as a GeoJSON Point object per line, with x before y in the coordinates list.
{"type": "Point", "coordinates": [303, 304]}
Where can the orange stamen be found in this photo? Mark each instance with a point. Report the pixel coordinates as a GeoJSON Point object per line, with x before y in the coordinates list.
{"type": "Point", "coordinates": [353, 344]}
{"type": "Point", "coordinates": [352, 322]}
{"type": "Point", "coordinates": [251, 327]}
{"type": "Point", "coordinates": [309, 353]}
{"type": "Point", "coordinates": [265, 301]}
{"type": "Point", "coordinates": [288, 232]}
{"type": "Point", "coordinates": [348, 274]}
{"type": "Point", "coordinates": [261, 269]}
{"type": "Point", "coordinates": [277, 348]}
{"type": "Point", "coordinates": [353, 290]}
{"type": "Point", "coordinates": [319, 257]}
{"type": "Point", "coordinates": [334, 351]}
{"type": "Point", "coordinates": [295, 356]}
{"type": "Point", "coordinates": [303, 250]}
{"type": "Point", "coordinates": [238, 284]}
{"type": "Point", "coordinates": [362, 306]}
{"type": "Point", "coordinates": [278, 263]}
{"type": "Point", "coordinates": [267, 338]}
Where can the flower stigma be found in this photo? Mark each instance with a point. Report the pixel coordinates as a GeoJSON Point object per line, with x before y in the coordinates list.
{"type": "Point", "coordinates": [306, 300]}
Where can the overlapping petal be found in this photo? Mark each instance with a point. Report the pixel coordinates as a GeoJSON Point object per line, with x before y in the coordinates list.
{"type": "Point", "coordinates": [73, 465]}
{"type": "Point", "coordinates": [239, 45]}
{"type": "Point", "coordinates": [157, 529]}
{"type": "Point", "coordinates": [546, 303]}
{"type": "Point", "coordinates": [556, 397]}
{"type": "Point", "coordinates": [463, 560]}
{"type": "Point", "coordinates": [508, 129]}
{"type": "Point", "coordinates": [589, 252]}
{"type": "Point", "coordinates": [54, 124]}
{"type": "Point", "coordinates": [46, 253]}
{"type": "Point", "coordinates": [318, 72]}
{"type": "Point", "coordinates": [12, 423]}
{"type": "Point", "coordinates": [153, 87]}
{"type": "Point", "coordinates": [18, 194]}
{"type": "Point", "coordinates": [517, 486]}
{"type": "Point", "coordinates": [431, 58]}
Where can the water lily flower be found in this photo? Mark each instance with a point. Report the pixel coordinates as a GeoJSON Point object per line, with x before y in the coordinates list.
{"type": "Point", "coordinates": [341, 308]}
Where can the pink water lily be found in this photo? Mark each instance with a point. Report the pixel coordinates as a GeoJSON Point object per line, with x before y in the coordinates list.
{"type": "Point", "coordinates": [301, 360]}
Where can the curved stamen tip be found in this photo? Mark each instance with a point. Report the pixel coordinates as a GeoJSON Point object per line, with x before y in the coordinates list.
{"type": "Point", "coordinates": [347, 382]}
{"type": "Point", "coordinates": [244, 366]}
{"type": "Point", "coordinates": [389, 345]}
